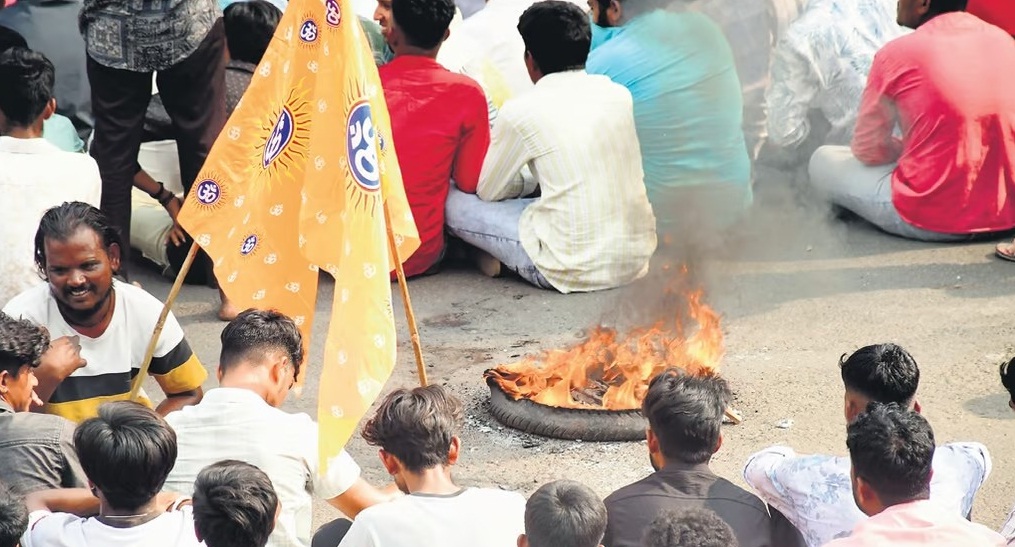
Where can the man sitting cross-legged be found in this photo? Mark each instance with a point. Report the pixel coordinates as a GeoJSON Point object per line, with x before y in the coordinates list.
{"type": "Point", "coordinates": [439, 121]}
{"type": "Point", "coordinates": [891, 450]}
{"type": "Point", "coordinates": [685, 419]}
{"type": "Point", "coordinates": [813, 491]}
{"type": "Point", "coordinates": [234, 505]}
{"type": "Point", "coordinates": [563, 514]}
{"type": "Point", "coordinates": [37, 450]}
{"type": "Point", "coordinates": [262, 352]}
{"type": "Point", "coordinates": [592, 226]}
{"type": "Point", "coordinates": [417, 432]}
{"type": "Point", "coordinates": [78, 251]}
{"type": "Point", "coordinates": [126, 452]}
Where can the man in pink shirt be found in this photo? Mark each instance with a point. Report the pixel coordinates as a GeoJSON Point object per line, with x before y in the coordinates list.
{"type": "Point", "coordinates": [891, 449]}
{"type": "Point", "coordinates": [952, 172]}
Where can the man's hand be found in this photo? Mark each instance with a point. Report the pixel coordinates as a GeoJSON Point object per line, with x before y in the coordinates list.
{"type": "Point", "coordinates": [60, 361]}
{"type": "Point", "coordinates": [176, 401]}
{"type": "Point", "coordinates": [176, 236]}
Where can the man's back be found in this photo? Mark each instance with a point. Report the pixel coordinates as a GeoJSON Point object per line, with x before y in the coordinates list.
{"type": "Point", "coordinates": [38, 451]}
{"type": "Point", "coordinates": [688, 106]}
{"type": "Point", "coordinates": [440, 128]}
{"type": "Point", "coordinates": [41, 176]}
{"type": "Point", "coordinates": [951, 88]}
{"type": "Point", "coordinates": [471, 517]}
{"type": "Point", "coordinates": [632, 508]}
{"type": "Point", "coordinates": [919, 523]}
{"type": "Point", "coordinates": [232, 423]}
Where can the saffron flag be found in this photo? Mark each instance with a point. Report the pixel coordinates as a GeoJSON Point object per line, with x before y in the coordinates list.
{"type": "Point", "coordinates": [298, 182]}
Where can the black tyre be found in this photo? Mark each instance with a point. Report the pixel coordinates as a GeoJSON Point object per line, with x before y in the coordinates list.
{"type": "Point", "coordinates": [565, 423]}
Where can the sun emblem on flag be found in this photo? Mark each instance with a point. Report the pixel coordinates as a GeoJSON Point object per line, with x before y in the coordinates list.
{"type": "Point", "coordinates": [287, 134]}
{"type": "Point", "coordinates": [363, 160]}
{"type": "Point", "coordinates": [250, 244]}
{"type": "Point", "coordinates": [209, 193]}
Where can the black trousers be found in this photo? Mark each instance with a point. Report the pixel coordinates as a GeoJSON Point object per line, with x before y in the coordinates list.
{"type": "Point", "coordinates": [194, 94]}
{"type": "Point", "coordinates": [332, 533]}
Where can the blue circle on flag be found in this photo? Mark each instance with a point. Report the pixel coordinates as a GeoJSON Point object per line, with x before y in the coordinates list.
{"type": "Point", "coordinates": [308, 31]}
{"type": "Point", "coordinates": [333, 13]}
{"type": "Point", "coordinates": [249, 245]}
{"type": "Point", "coordinates": [208, 192]}
{"type": "Point", "coordinates": [361, 146]}
{"type": "Point", "coordinates": [280, 137]}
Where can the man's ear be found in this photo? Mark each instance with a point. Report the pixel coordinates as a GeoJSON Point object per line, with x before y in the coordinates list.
{"type": "Point", "coordinates": [652, 440]}
{"type": "Point", "coordinates": [453, 450]}
{"type": "Point", "coordinates": [391, 463]}
{"type": "Point", "coordinates": [614, 13]}
{"type": "Point", "coordinates": [5, 377]}
{"type": "Point", "coordinates": [114, 257]}
{"type": "Point", "coordinates": [50, 109]}
{"type": "Point", "coordinates": [523, 541]}
{"type": "Point", "coordinates": [917, 407]}
{"type": "Point", "coordinates": [219, 374]}
{"type": "Point", "coordinates": [718, 443]}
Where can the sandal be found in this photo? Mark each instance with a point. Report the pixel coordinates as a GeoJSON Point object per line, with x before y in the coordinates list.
{"type": "Point", "coordinates": [1005, 251]}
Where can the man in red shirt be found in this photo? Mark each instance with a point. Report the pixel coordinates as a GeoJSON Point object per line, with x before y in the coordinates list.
{"type": "Point", "coordinates": [439, 121]}
{"type": "Point", "coordinates": [948, 86]}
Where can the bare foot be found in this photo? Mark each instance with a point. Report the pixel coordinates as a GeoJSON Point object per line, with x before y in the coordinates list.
{"type": "Point", "coordinates": [487, 263]}
{"type": "Point", "coordinates": [227, 312]}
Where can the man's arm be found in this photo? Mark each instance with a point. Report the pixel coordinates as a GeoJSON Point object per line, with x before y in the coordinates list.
{"type": "Point", "coordinates": [361, 495]}
{"type": "Point", "coordinates": [473, 145]}
{"type": "Point", "coordinates": [795, 84]}
{"type": "Point", "coordinates": [873, 142]}
{"type": "Point", "coordinates": [501, 176]}
{"type": "Point", "coordinates": [176, 401]}
{"type": "Point", "coordinates": [60, 361]}
{"type": "Point", "coordinates": [77, 501]}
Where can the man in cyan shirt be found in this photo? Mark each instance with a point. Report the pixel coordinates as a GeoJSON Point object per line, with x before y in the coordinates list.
{"type": "Point", "coordinates": [439, 122]}
{"type": "Point", "coordinates": [948, 87]}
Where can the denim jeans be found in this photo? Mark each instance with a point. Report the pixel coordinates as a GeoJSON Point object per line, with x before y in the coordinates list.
{"type": "Point", "coordinates": [866, 191]}
{"type": "Point", "coordinates": [493, 227]}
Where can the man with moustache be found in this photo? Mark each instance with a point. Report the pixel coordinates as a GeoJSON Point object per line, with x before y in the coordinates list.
{"type": "Point", "coordinates": [78, 251]}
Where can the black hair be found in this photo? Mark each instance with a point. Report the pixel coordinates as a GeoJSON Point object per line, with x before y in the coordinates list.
{"type": "Point", "coordinates": [127, 451]}
{"type": "Point", "coordinates": [253, 332]}
{"type": "Point", "coordinates": [10, 38]}
{"type": "Point", "coordinates": [416, 426]}
{"type": "Point", "coordinates": [234, 505]}
{"type": "Point", "coordinates": [564, 514]}
{"type": "Point", "coordinates": [885, 373]}
{"type": "Point", "coordinates": [423, 22]}
{"type": "Point", "coordinates": [63, 221]}
{"type": "Point", "coordinates": [937, 7]}
{"type": "Point", "coordinates": [28, 79]}
{"type": "Point", "coordinates": [249, 27]}
{"type": "Point", "coordinates": [557, 35]}
{"type": "Point", "coordinates": [21, 343]}
{"type": "Point", "coordinates": [685, 413]}
{"type": "Point", "coordinates": [691, 527]}
{"type": "Point", "coordinates": [892, 449]}
{"type": "Point", "coordinates": [1008, 377]}
{"type": "Point", "coordinates": [13, 517]}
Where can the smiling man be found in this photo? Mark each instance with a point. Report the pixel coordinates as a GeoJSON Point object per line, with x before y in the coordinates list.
{"type": "Point", "coordinates": [78, 252]}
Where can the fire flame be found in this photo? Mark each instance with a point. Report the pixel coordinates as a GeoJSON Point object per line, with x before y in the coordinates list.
{"type": "Point", "coordinates": [614, 368]}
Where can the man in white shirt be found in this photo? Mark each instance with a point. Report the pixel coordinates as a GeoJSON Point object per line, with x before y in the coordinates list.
{"type": "Point", "coordinates": [126, 452]}
{"type": "Point", "coordinates": [34, 174]}
{"type": "Point", "coordinates": [417, 432]}
{"type": "Point", "coordinates": [814, 491]}
{"type": "Point", "coordinates": [821, 64]}
{"type": "Point", "coordinates": [262, 352]}
{"type": "Point", "coordinates": [592, 226]}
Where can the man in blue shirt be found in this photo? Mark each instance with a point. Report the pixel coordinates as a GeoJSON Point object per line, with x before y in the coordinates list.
{"type": "Point", "coordinates": [688, 110]}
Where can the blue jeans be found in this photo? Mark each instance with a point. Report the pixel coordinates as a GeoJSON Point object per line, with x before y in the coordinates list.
{"type": "Point", "coordinates": [493, 227]}
{"type": "Point", "coordinates": [866, 191]}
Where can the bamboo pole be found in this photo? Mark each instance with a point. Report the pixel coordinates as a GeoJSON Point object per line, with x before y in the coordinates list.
{"type": "Point", "coordinates": [410, 316]}
{"type": "Point", "coordinates": [135, 387]}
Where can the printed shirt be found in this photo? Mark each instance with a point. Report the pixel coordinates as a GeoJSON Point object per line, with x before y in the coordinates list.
{"type": "Point", "coordinates": [115, 356]}
{"type": "Point", "coordinates": [592, 226]}
{"type": "Point", "coordinates": [145, 36]}
{"type": "Point", "coordinates": [170, 529]}
{"type": "Point", "coordinates": [688, 107]}
{"type": "Point", "coordinates": [220, 427]}
{"type": "Point", "coordinates": [956, 158]}
{"type": "Point", "coordinates": [822, 64]}
{"type": "Point", "coordinates": [814, 492]}
{"type": "Point", "coordinates": [42, 176]}
{"type": "Point", "coordinates": [918, 523]}
{"type": "Point", "coordinates": [441, 131]}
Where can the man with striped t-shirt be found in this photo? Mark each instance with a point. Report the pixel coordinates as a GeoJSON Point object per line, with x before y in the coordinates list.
{"type": "Point", "coordinates": [78, 252]}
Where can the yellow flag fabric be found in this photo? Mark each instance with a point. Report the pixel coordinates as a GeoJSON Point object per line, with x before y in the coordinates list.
{"type": "Point", "coordinates": [296, 183]}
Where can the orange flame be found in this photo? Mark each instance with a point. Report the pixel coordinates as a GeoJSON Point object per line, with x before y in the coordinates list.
{"type": "Point", "coordinates": [616, 368]}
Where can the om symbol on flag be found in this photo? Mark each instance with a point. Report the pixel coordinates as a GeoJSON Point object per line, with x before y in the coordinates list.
{"type": "Point", "coordinates": [249, 245]}
{"type": "Point", "coordinates": [361, 142]}
{"type": "Point", "coordinates": [308, 32]}
{"type": "Point", "coordinates": [333, 13]}
{"type": "Point", "coordinates": [279, 138]}
{"type": "Point", "coordinates": [208, 192]}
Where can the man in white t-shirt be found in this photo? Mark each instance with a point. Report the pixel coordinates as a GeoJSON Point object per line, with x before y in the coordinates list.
{"type": "Point", "coordinates": [126, 452]}
{"type": "Point", "coordinates": [417, 432]}
{"type": "Point", "coordinates": [34, 174]}
{"type": "Point", "coordinates": [240, 420]}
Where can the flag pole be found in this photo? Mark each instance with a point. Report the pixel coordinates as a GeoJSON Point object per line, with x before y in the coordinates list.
{"type": "Point", "coordinates": [135, 387]}
{"type": "Point", "coordinates": [410, 316]}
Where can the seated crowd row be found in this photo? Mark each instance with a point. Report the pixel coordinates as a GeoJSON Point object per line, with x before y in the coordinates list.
{"type": "Point", "coordinates": [635, 127]}
{"type": "Point", "coordinates": [230, 468]}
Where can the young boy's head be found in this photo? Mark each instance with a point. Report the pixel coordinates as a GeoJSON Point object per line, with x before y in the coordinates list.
{"type": "Point", "coordinates": [26, 97]}
{"type": "Point", "coordinates": [13, 517]}
{"type": "Point", "coordinates": [234, 504]}
{"type": "Point", "coordinates": [563, 514]}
